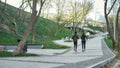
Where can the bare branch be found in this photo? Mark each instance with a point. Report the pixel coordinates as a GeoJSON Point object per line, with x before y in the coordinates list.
{"type": "Point", "coordinates": [111, 7]}
{"type": "Point", "coordinates": [106, 16]}
{"type": "Point", "coordinates": [5, 4]}
{"type": "Point", "coordinates": [22, 4]}
{"type": "Point", "coordinates": [29, 4]}
{"type": "Point", "coordinates": [41, 5]}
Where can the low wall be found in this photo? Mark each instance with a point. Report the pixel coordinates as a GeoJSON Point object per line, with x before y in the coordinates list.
{"type": "Point", "coordinates": [29, 46]}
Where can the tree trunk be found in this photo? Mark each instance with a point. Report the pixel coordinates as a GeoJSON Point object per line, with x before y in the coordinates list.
{"type": "Point", "coordinates": [117, 29]}
{"type": "Point", "coordinates": [108, 23]}
{"type": "Point", "coordinates": [113, 42]}
{"type": "Point", "coordinates": [58, 17]}
{"type": "Point", "coordinates": [57, 28]}
{"type": "Point", "coordinates": [33, 37]}
{"type": "Point", "coordinates": [33, 32]}
{"type": "Point", "coordinates": [35, 22]}
{"type": "Point", "coordinates": [19, 49]}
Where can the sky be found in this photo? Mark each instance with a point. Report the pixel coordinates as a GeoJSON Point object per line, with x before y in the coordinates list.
{"type": "Point", "coordinates": [98, 10]}
{"type": "Point", "coordinates": [95, 14]}
{"type": "Point", "coordinates": [15, 3]}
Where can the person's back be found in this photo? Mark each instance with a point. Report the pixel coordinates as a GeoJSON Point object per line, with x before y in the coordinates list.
{"type": "Point", "coordinates": [83, 37]}
{"type": "Point", "coordinates": [75, 38]}
{"type": "Point", "coordinates": [83, 41]}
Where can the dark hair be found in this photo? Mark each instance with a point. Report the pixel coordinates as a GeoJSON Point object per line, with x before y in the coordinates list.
{"type": "Point", "coordinates": [75, 32]}
{"type": "Point", "coordinates": [18, 40]}
{"type": "Point", "coordinates": [83, 34]}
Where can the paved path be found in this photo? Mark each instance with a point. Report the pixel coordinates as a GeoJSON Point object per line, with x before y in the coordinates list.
{"type": "Point", "coordinates": [66, 58]}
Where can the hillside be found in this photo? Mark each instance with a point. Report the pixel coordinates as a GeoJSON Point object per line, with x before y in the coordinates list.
{"type": "Point", "coordinates": [13, 24]}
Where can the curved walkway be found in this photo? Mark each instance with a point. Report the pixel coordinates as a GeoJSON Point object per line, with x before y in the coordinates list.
{"type": "Point", "coordinates": [95, 55]}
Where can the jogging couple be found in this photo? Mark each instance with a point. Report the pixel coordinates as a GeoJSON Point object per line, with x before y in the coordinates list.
{"type": "Point", "coordinates": [75, 38]}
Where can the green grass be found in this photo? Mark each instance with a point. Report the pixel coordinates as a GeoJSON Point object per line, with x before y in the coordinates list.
{"type": "Point", "coordinates": [7, 38]}
{"type": "Point", "coordinates": [118, 56]}
{"type": "Point", "coordinates": [9, 54]}
{"type": "Point", "coordinates": [45, 30]}
{"type": "Point", "coordinates": [49, 45]}
{"type": "Point", "coordinates": [108, 42]}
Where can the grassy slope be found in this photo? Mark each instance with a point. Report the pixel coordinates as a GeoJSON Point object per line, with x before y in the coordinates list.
{"type": "Point", "coordinates": [109, 43]}
{"type": "Point", "coordinates": [45, 30]}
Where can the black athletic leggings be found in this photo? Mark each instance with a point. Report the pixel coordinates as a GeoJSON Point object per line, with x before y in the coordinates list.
{"type": "Point", "coordinates": [83, 44]}
{"type": "Point", "coordinates": [75, 44]}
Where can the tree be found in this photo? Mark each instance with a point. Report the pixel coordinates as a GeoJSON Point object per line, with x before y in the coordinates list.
{"type": "Point", "coordinates": [46, 8]}
{"type": "Point", "coordinates": [27, 3]}
{"type": "Point", "coordinates": [118, 28]}
{"type": "Point", "coordinates": [60, 5]}
{"type": "Point", "coordinates": [78, 11]}
{"type": "Point", "coordinates": [41, 2]}
{"type": "Point", "coordinates": [4, 14]}
{"type": "Point", "coordinates": [109, 29]}
{"type": "Point", "coordinates": [33, 20]}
